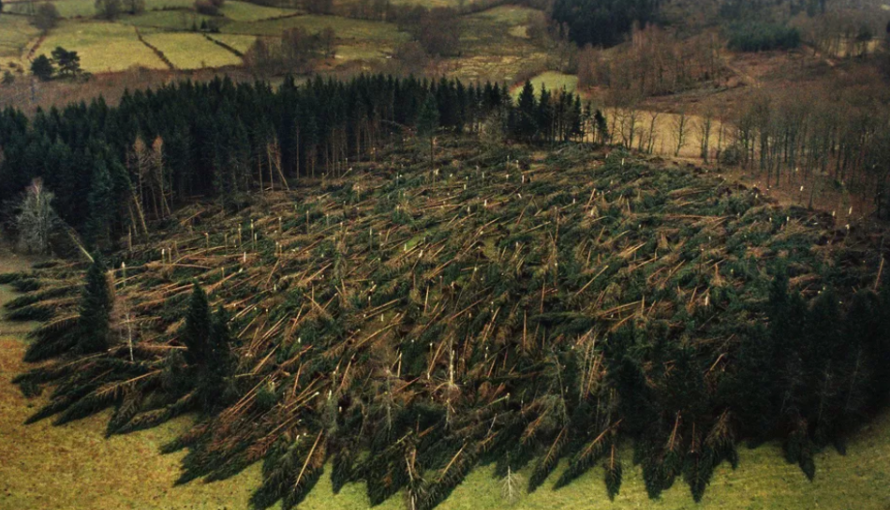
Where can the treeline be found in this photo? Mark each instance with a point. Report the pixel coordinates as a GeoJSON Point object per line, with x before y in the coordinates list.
{"type": "Point", "coordinates": [756, 36]}
{"type": "Point", "coordinates": [841, 133]}
{"type": "Point", "coordinates": [295, 51]}
{"type": "Point", "coordinates": [115, 168]}
{"type": "Point", "coordinates": [818, 370]}
{"type": "Point", "coordinates": [603, 22]}
{"type": "Point", "coordinates": [656, 63]}
{"type": "Point", "coordinates": [843, 33]}
{"type": "Point", "coordinates": [810, 378]}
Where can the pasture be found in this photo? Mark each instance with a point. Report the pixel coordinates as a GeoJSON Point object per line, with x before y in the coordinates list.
{"type": "Point", "coordinates": [192, 51]}
{"type": "Point", "coordinates": [495, 44]}
{"type": "Point", "coordinates": [102, 46]}
{"type": "Point", "coordinates": [15, 35]}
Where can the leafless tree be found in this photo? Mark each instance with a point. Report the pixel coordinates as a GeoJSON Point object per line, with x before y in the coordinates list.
{"type": "Point", "coordinates": [704, 130]}
{"type": "Point", "coordinates": [681, 129]}
{"type": "Point", "coordinates": [36, 219]}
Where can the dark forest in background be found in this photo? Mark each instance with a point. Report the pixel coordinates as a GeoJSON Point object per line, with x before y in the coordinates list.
{"type": "Point", "coordinates": [111, 168]}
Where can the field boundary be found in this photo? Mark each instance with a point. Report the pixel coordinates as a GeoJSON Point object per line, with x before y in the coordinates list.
{"type": "Point", "coordinates": [283, 16]}
{"type": "Point", "coordinates": [224, 46]}
{"type": "Point", "coordinates": [30, 56]}
{"type": "Point", "coordinates": [156, 51]}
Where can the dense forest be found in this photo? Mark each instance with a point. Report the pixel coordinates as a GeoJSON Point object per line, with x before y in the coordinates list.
{"type": "Point", "coordinates": [603, 22]}
{"type": "Point", "coordinates": [114, 168]}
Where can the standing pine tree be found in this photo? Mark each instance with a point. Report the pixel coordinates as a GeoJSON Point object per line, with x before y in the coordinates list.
{"type": "Point", "coordinates": [220, 360]}
{"type": "Point", "coordinates": [101, 203]}
{"type": "Point", "coordinates": [206, 338]}
{"type": "Point", "coordinates": [526, 125]}
{"type": "Point", "coordinates": [95, 307]}
{"type": "Point", "coordinates": [544, 115]}
{"type": "Point", "coordinates": [196, 332]}
{"type": "Point", "coordinates": [428, 122]}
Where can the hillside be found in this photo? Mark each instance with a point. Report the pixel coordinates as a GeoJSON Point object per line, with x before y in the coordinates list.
{"type": "Point", "coordinates": [519, 309]}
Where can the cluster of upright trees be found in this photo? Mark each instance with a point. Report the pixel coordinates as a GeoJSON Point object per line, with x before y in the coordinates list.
{"type": "Point", "coordinates": [208, 357]}
{"type": "Point", "coordinates": [223, 139]}
{"type": "Point", "coordinates": [295, 51]}
{"type": "Point", "coordinates": [656, 63]}
{"type": "Point", "coordinates": [755, 36]}
{"type": "Point", "coordinates": [603, 22]}
{"type": "Point", "coordinates": [68, 63]}
{"type": "Point", "coordinates": [816, 372]}
{"type": "Point", "coordinates": [843, 134]}
{"type": "Point", "coordinates": [549, 116]}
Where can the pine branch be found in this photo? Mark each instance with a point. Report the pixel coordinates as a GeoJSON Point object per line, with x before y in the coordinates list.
{"type": "Point", "coordinates": [548, 463]}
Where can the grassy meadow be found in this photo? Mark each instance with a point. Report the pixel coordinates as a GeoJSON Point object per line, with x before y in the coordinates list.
{"type": "Point", "coordinates": [494, 44]}
{"type": "Point", "coordinates": [103, 46]}
{"type": "Point", "coordinates": [552, 80]}
{"type": "Point", "coordinates": [241, 43]}
{"type": "Point", "coordinates": [173, 20]}
{"type": "Point", "coordinates": [192, 51]}
{"type": "Point", "coordinates": [244, 11]}
{"type": "Point", "coordinates": [15, 32]}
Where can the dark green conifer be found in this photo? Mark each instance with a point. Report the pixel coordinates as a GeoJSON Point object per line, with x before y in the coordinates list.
{"type": "Point", "coordinates": [526, 115]}
{"type": "Point", "coordinates": [95, 307]}
{"type": "Point", "coordinates": [102, 202]}
{"type": "Point", "coordinates": [206, 337]}
{"type": "Point", "coordinates": [197, 328]}
{"type": "Point", "coordinates": [612, 477]}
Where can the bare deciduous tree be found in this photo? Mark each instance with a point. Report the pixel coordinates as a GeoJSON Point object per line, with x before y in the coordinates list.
{"type": "Point", "coordinates": [36, 219]}
{"type": "Point", "coordinates": [681, 128]}
{"type": "Point", "coordinates": [704, 130]}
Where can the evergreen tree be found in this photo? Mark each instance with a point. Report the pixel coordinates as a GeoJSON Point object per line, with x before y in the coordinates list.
{"type": "Point", "coordinates": [197, 329]}
{"type": "Point", "coordinates": [206, 337]}
{"type": "Point", "coordinates": [526, 114]}
{"type": "Point", "coordinates": [544, 115]}
{"type": "Point", "coordinates": [68, 61]}
{"type": "Point", "coordinates": [602, 129]}
{"type": "Point", "coordinates": [42, 68]}
{"type": "Point", "coordinates": [95, 307]}
{"type": "Point", "coordinates": [101, 201]}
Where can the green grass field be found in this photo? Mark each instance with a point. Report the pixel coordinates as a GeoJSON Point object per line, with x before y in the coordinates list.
{"type": "Point", "coordinates": [192, 51]}
{"type": "Point", "coordinates": [15, 33]}
{"type": "Point", "coordinates": [494, 45]}
{"type": "Point", "coordinates": [346, 28]}
{"type": "Point", "coordinates": [66, 8]}
{"type": "Point", "coordinates": [184, 19]}
{"type": "Point", "coordinates": [349, 52]}
{"type": "Point", "coordinates": [507, 14]}
{"type": "Point", "coordinates": [87, 8]}
{"type": "Point", "coordinates": [102, 46]}
{"type": "Point", "coordinates": [241, 43]}
{"type": "Point", "coordinates": [180, 20]}
{"type": "Point", "coordinates": [552, 80]}
{"type": "Point", "coordinates": [243, 11]}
